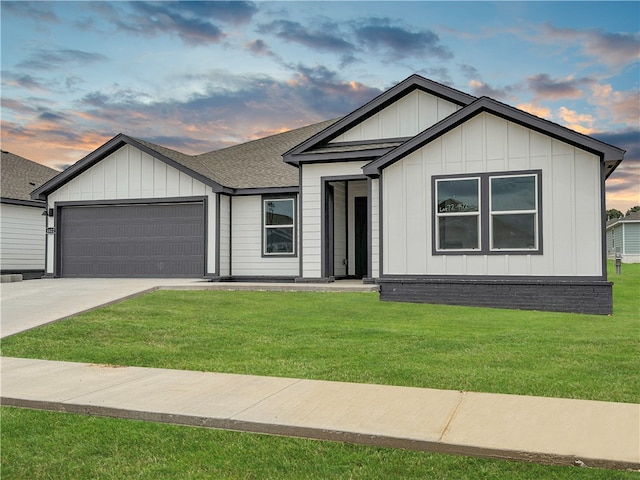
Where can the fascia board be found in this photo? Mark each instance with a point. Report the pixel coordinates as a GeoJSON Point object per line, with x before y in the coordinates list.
{"type": "Point", "coordinates": [605, 151]}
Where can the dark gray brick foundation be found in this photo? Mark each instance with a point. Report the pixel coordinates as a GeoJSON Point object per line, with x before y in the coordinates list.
{"type": "Point", "coordinates": [548, 294]}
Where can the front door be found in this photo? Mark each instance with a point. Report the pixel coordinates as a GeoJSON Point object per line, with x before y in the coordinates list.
{"type": "Point", "coordinates": [361, 244]}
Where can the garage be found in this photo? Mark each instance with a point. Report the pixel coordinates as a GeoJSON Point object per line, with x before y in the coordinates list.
{"type": "Point", "coordinates": [132, 240]}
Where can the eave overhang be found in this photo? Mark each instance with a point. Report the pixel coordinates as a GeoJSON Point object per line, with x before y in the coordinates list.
{"type": "Point", "coordinates": [104, 151]}
{"type": "Point", "coordinates": [609, 155]}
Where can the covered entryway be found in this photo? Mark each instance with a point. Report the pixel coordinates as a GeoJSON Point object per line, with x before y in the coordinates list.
{"type": "Point", "coordinates": [346, 228]}
{"type": "Point", "coordinates": [132, 240]}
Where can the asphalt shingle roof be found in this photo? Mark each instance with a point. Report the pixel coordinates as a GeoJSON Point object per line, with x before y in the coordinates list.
{"type": "Point", "coordinates": [17, 174]}
{"type": "Point", "coordinates": [254, 164]}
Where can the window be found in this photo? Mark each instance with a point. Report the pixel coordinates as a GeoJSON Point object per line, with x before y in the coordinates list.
{"type": "Point", "coordinates": [487, 213]}
{"type": "Point", "coordinates": [458, 214]}
{"type": "Point", "coordinates": [279, 226]}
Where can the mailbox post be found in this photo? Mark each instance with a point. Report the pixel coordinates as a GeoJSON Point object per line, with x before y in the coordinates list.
{"type": "Point", "coordinates": [618, 263]}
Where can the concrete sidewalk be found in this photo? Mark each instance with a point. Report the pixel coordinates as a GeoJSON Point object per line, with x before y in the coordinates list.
{"type": "Point", "coordinates": [545, 430]}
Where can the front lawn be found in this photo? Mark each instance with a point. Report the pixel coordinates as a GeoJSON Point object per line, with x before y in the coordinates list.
{"type": "Point", "coordinates": [356, 338]}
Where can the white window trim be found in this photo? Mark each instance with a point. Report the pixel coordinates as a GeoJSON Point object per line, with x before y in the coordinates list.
{"type": "Point", "coordinates": [266, 227]}
{"type": "Point", "coordinates": [493, 213]}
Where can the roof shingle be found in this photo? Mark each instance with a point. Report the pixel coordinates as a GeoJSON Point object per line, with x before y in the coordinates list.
{"type": "Point", "coordinates": [19, 176]}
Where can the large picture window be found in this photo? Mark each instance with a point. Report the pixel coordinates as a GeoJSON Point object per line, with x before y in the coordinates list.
{"type": "Point", "coordinates": [279, 226]}
{"type": "Point", "coordinates": [487, 213]}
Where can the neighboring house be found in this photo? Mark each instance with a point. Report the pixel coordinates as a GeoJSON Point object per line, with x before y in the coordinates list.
{"type": "Point", "coordinates": [434, 194]}
{"type": "Point", "coordinates": [623, 237]}
{"type": "Point", "coordinates": [22, 224]}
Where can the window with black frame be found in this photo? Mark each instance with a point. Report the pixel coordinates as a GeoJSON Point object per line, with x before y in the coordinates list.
{"type": "Point", "coordinates": [487, 213]}
{"type": "Point", "coordinates": [279, 226]}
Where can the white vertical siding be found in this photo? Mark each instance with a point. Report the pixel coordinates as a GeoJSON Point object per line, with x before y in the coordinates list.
{"type": "Point", "coordinates": [356, 189]}
{"type": "Point", "coordinates": [22, 237]}
{"type": "Point", "coordinates": [375, 228]}
{"type": "Point", "coordinates": [247, 259]}
{"type": "Point", "coordinates": [406, 117]}
{"type": "Point", "coordinates": [571, 212]}
{"type": "Point", "coordinates": [130, 173]}
{"type": "Point", "coordinates": [311, 208]}
{"type": "Point", "coordinates": [225, 235]}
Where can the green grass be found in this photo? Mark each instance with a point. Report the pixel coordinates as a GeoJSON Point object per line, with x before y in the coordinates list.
{"type": "Point", "coordinates": [356, 338]}
{"type": "Point", "coordinates": [49, 445]}
{"type": "Point", "coordinates": [347, 337]}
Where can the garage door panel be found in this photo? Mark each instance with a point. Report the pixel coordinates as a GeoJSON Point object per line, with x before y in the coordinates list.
{"type": "Point", "coordinates": [157, 240]}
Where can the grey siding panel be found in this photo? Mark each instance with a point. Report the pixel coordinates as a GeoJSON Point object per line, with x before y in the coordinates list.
{"type": "Point", "coordinates": [149, 240]}
{"type": "Point", "coordinates": [592, 297]}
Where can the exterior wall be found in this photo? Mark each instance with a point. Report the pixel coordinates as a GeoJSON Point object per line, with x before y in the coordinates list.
{"type": "Point", "coordinates": [406, 117]}
{"type": "Point", "coordinates": [246, 252]}
{"type": "Point", "coordinates": [311, 210]}
{"type": "Point", "coordinates": [22, 238]}
{"type": "Point", "coordinates": [631, 232]}
{"type": "Point", "coordinates": [375, 229]}
{"type": "Point", "coordinates": [130, 173]}
{"type": "Point", "coordinates": [571, 209]}
{"type": "Point", "coordinates": [225, 235]}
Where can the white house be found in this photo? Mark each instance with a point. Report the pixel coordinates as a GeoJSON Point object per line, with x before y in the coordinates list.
{"type": "Point", "coordinates": [623, 238]}
{"type": "Point", "coordinates": [22, 225]}
{"type": "Point", "coordinates": [434, 194]}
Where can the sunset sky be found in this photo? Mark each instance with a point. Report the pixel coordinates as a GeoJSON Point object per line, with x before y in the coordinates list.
{"type": "Point", "coordinates": [197, 76]}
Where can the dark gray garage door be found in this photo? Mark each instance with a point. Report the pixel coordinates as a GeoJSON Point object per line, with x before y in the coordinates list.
{"type": "Point", "coordinates": [150, 240]}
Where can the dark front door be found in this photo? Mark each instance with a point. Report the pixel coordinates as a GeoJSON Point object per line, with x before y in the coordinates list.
{"type": "Point", "coordinates": [362, 250]}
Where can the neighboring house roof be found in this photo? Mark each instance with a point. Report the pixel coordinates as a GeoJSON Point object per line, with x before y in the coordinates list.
{"type": "Point", "coordinates": [20, 176]}
{"type": "Point", "coordinates": [610, 155]}
{"type": "Point", "coordinates": [253, 165]}
{"type": "Point", "coordinates": [631, 218]}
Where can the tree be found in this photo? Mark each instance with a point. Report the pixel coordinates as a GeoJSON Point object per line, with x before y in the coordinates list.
{"type": "Point", "coordinates": [632, 209]}
{"type": "Point", "coordinates": [613, 213]}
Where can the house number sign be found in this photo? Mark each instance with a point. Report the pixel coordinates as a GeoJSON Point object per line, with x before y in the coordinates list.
{"type": "Point", "coordinates": [51, 230]}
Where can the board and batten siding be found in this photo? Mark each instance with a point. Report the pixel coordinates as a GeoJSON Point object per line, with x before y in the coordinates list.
{"type": "Point", "coordinates": [22, 237]}
{"type": "Point", "coordinates": [225, 235]}
{"type": "Point", "coordinates": [406, 117]}
{"type": "Point", "coordinates": [311, 208]}
{"type": "Point", "coordinates": [130, 173]}
{"type": "Point", "coordinates": [571, 208]}
{"type": "Point", "coordinates": [246, 252]}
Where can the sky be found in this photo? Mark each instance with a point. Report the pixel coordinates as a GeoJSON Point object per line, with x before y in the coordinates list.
{"type": "Point", "coordinates": [198, 76]}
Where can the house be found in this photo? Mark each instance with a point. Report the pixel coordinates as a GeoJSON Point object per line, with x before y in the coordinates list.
{"type": "Point", "coordinates": [433, 194]}
{"type": "Point", "coordinates": [623, 238]}
{"type": "Point", "coordinates": [22, 225]}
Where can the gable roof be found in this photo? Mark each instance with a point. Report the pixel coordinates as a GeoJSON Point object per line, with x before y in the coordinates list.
{"type": "Point", "coordinates": [19, 176]}
{"type": "Point", "coordinates": [609, 154]}
{"type": "Point", "coordinates": [316, 143]}
{"type": "Point", "coordinates": [251, 165]}
{"type": "Point", "coordinates": [631, 218]}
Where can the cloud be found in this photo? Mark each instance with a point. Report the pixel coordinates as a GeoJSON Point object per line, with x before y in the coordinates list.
{"type": "Point", "coordinates": [615, 49]}
{"type": "Point", "coordinates": [52, 59]}
{"type": "Point", "coordinates": [535, 109]}
{"type": "Point", "coordinates": [580, 122]}
{"type": "Point", "coordinates": [623, 186]}
{"type": "Point", "coordinates": [25, 81]}
{"type": "Point", "coordinates": [621, 106]}
{"type": "Point", "coordinates": [381, 34]}
{"type": "Point", "coordinates": [319, 40]}
{"type": "Point", "coordinates": [260, 48]}
{"type": "Point", "coordinates": [546, 87]}
{"type": "Point", "coordinates": [40, 11]}
{"type": "Point", "coordinates": [195, 23]}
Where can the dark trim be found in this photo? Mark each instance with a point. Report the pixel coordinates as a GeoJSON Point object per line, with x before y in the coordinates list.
{"type": "Point", "coordinates": [357, 143]}
{"type": "Point", "coordinates": [414, 82]}
{"type": "Point", "coordinates": [262, 226]}
{"type": "Point", "coordinates": [603, 228]}
{"type": "Point", "coordinates": [484, 213]}
{"type": "Point", "coordinates": [57, 264]}
{"type": "Point", "coordinates": [589, 295]}
{"type": "Point", "coordinates": [264, 191]}
{"type": "Point", "coordinates": [366, 155]}
{"type": "Point", "coordinates": [606, 152]}
{"type": "Point", "coordinates": [23, 203]}
{"type": "Point", "coordinates": [346, 227]}
{"type": "Point", "coordinates": [218, 250]}
{"type": "Point", "coordinates": [300, 225]}
{"type": "Point", "coordinates": [104, 151]}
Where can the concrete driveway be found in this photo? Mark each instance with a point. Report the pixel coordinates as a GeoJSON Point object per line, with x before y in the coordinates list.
{"type": "Point", "coordinates": [31, 303]}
